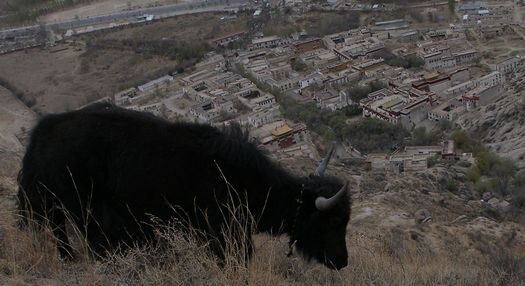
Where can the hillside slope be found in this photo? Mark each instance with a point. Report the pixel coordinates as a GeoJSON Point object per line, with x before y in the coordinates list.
{"type": "Point", "coordinates": [16, 120]}
{"type": "Point", "coordinates": [501, 125]}
{"type": "Point", "coordinates": [465, 242]}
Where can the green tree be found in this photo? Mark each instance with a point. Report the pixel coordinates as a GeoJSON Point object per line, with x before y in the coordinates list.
{"type": "Point", "coordinates": [452, 6]}
{"type": "Point", "coordinates": [518, 190]}
{"type": "Point", "coordinates": [298, 65]}
{"type": "Point", "coordinates": [420, 136]}
{"type": "Point", "coordinates": [503, 170]}
{"type": "Point", "coordinates": [462, 140]}
{"type": "Point", "coordinates": [357, 93]}
{"type": "Point", "coordinates": [353, 110]}
{"type": "Point", "coordinates": [473, 174]}
{"type": "Point", "coordinates": [370, 134]}
{"type": "Point", "coordinates": [376, 85]}
{"type": "Point", "coordinates": [486, 160]}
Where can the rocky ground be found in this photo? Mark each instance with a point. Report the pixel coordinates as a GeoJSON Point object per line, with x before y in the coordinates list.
{"type": "Point", "coordinates": [405, 229]}
{"type": "Point", "coordinates": [422, 228]}
{"type": "Point", "coordinates": [15, 122]}
{"type": "Point", "coordinates": [501, 125]}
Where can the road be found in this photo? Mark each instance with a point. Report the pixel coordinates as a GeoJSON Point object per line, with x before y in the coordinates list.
{"type": "Point", "coordinates": [159, 12]}
{"type": "Point", "coordinates": [101, 7]}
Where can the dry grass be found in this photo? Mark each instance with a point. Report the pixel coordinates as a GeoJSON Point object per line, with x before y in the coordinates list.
{"type": "Point", "coordinates": [176, 258]}
{"type": "Point", "coordinates": [434, 254]}
{"type": "Point", "coordinates": [185, 28]}
{"type": "Point", "coordinates": [58, 81]}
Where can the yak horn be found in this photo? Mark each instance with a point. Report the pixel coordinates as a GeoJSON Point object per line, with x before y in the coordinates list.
{"type": "Point", "coordinates": [324, 204]}
{"type": "Point", "coordinates": [319, 172]}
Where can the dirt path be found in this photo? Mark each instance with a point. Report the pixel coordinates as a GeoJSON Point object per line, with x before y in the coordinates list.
{"type": "Point", "coordinates": [518, 30]}
{"type": "Point", "coordinates": [68, 79]}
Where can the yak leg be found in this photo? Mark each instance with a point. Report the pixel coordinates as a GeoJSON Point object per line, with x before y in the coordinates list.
{"type": "Point", "coordinates": [98, 229]}
{"type": "Point", "coordinates": [34, 208]}
{"type": "Point", "coordinates": [57, 222]}
{"type": "Point", "coordinates": [111, 226]}
{"type": "Point", "coordinates": [98, 242]}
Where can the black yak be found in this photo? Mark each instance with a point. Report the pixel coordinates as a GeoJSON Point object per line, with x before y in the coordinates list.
{"type": "Point", "coordinates": [113, 169]}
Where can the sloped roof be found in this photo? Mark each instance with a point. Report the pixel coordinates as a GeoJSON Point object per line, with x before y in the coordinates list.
{"type": "Point", "coordinates": [281, 130]}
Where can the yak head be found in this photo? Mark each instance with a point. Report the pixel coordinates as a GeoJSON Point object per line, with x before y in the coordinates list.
{"type": "Point", "coordinates": [322, 217]}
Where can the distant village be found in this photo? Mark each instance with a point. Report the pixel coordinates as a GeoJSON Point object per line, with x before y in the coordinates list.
{"type": "Point", "coordinates": [241, 85]}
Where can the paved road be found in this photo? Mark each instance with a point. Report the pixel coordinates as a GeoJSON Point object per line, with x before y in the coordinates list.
{"type": "Point", "coordinates": [160, 11]}
{"type": "Point", "coordinates": [166, 10]}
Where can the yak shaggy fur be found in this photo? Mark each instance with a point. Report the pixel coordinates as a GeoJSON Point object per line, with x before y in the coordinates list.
{"type": "Point", "coordinates": [111, 170]}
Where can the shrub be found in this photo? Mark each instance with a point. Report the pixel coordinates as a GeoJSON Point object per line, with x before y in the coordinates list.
{"type": "Point", "coordinates": [466, 142]}
{"type": "Point", "coordinates": [409, 61]}
{"type": "Point", "coordinates": [518, 182]}
{"type": "Point", "coordinates": [357, 93]}
{"type": "Point", "coordinates": [452, 185]}
{"type": "Point", "coordinates": [485, 161]}
{"type": "Point", "coordinates": [376, 85]}
{"type": "Point", "coordinates": [451, 5]}
{"type": "Point", "coordinates": [420, 136]}
{"type": "Point", "coordinates": [473, 174]}
{"type": "Point", "coordinates": [483, 186]}
{"type": "Point", "coordinates": [173, 49]}
{"type": "Point", "coordinates": [369, 134]}
{"type": "Point", "coordinates": [298, 65]}
{"type": "Point", "coordinates": [498, 171]}
{"type": "Point", "coordinates": [460, 139]}
{"type": "Point", "coordinates": [353, 110]}
{"type": "Point", "coordinates": [503, 170]}
{"type": "Point", "coordinates": [329, 23]}
{"type": "Point", "coordinates": [432, 161]}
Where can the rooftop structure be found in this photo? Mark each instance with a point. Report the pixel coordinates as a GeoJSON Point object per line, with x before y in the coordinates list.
{"type": "Point", "coordinates": [448, 110]}
{"type": "Point", "coordinates": [493, 15]}
{"type": "Point", "coordinates": [411, 158]}
{"type": "Point", "coordinates": [391, 25]}
{"type": "Point", "coordinates": [341, 39]}
{"type": "Point", "coordinates": [510, 65]}
{"type": "Point", "coordinates": [307, 46]}
{"type": "Point", "coordinates": [480, 96]}
{"type": "Point", "coordinates": [407, 107]}
{"type": "Point", "coordinates": [226, 39]}
{"type": "Point", "coordinates": [434, 82]}
{"type": "Point", "coordinates": [440, 56]}
{"type": "Point", "coordinates": [268, 42]}
{"type": "Point", "coordinates": [361, 48]}
{"type": "Point", "coordinates": [470, 6]}
{"type": "Point", "coordinates": [156, 83]}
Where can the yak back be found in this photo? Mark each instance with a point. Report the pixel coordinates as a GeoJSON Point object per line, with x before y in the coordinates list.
{"type": "Point", "coordinates": [131, 165]}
